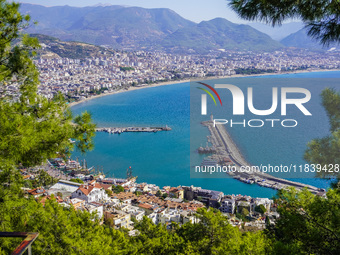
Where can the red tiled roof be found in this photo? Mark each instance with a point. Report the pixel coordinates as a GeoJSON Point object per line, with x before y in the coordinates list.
{"type": "Point", "coordinates": [86, 189]}
{"type": "Point", "coordinates": [145, 206]}
{"type": "Point", "coordinates": [105, 186]}
{"type": "Point", "coordinates": [36, 191]}
{"type": "Point", "coordinates": [43, 200]}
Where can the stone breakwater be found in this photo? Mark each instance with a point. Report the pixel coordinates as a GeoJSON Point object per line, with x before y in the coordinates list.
{"type": "Point", "coordinates": [226, 153]}
{"type": "Point", "coordinates": [119, 130]}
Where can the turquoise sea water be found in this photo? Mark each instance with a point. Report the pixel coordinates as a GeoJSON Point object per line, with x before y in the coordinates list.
{"type": "Point", "coordinates": [163, 158]}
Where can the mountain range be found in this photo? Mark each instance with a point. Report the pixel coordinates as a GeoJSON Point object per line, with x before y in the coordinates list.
{"type": "Point", "coordinates": [134, 28]}
{"type": "Point", "coordinates": [278, 32]}
{"type": "Point", "coordinates": [301, 39]}
{"type": "Point", "coordinates": [139, 28]}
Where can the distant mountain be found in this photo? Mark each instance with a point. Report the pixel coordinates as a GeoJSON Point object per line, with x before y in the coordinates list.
{"type": "Point", "coordinates": [138, 28]}
{"type": "Point", "coordinates": [278, 32]}
{"type": "Point", "coordinates": [117, 26]}
{"type": "Point", "coordinates": [101, 4]}
{"type": "Point", "coordinates": [53, 47]}
{"type": "Point", "coordinates": [220, 33]}
{"type": "Point", "coordinates": [300, 39]}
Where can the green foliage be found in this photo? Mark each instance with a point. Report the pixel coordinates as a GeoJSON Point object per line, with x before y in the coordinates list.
{"type": "Point", "coordinates": [61, 230]}
{"type": "Point", "coordinates": [117, 189]}
{"type": "Point", "coordinates": [308, 224]}
{"type": "Point", "coordinates": [267, 222]}
{"type": "Point", "coordinates": [249, 71]}
{"type": "Point", "coordinates": [158, 193]}
{"type": "Point", "coordinates": [155, 239]}
{"type": "Point", "coordinates": [138, 193]}
{"type": "Point", "coordinates": [241, 217]}
{"type": "Point", "coordinates": [109, 192]}
{"type": "Point", "coordinates": [214, 235]}
{"type": "Point", "coordinates": [126, 68]}
{"type": "Point", "coordinates": [43, 179]}
{"type": "Point", "coordinates": [245, 212]}
{"type": "Point", "coordinates": [323, 152]}
{"type": "Point", "coordinates": [32, 128]}
{"type": "Point", "coordinates": [260, 209]}
{"type": "Point", "coordinates": [66, 231]}
{"type": "Point", "coordinates": [77, 180]}
{"type": "Point", "coordinates": [321, 17]}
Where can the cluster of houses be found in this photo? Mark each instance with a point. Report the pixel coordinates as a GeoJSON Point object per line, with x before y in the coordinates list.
{"type": "Point", "coordinates": [164, 206]}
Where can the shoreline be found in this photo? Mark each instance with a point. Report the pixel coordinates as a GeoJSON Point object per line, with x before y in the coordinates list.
{"type": "Point", "coordinates": [226, 148]}
{"type": "Point", "coordinates": [196, 79]}
{"type": "Point", "coordinates": [213, 78]}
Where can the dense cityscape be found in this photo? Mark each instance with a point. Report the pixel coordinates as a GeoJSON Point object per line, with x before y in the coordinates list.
{"type": "Point", "coordinates": [78, 79]}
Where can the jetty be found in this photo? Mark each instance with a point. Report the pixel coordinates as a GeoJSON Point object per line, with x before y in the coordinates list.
{"type": "Point", "coordinates": [119, 130]}
{"type": "Point", "coordinates": [227, 153]}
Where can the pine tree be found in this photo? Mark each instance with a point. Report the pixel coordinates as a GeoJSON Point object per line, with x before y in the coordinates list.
{"type": "Point", "coordinates": [321, 17]}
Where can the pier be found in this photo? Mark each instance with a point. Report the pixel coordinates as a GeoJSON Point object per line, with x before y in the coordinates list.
{"type": "Point", "coordinates": [119, 130]}
{"type": "Point", "coordinates": [227, 153]}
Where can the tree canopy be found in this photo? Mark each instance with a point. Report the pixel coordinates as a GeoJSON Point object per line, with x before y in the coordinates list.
{"type": "Point", "coordinates": [64, 230]}
{"type": "Point", "coordinates": [324, 152]}
{"type": "Point", "coordinates": [321, 18]}
{"type": "Point", "coordinates": [117, 189]}
{"type": "Point", "coordinates": [212, 235]}
{"type": "Point", "coordinates": [308, 224]}
{"type": "Point", "coordinates": [77, 180]}
{"type": "Point", "coordinates": [32, 127]}
{"type": "Point", "coordinates": [260, 209]}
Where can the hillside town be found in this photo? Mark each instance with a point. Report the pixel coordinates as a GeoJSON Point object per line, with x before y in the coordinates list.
{"type": "Point", "coordinates": [121, 202]}
{"type": "Point", "coordinates": [78, 79]}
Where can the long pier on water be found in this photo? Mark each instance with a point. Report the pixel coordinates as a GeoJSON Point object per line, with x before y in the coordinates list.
{"type": "Point", "coordinates": [226, 152]}
{"type": "Point", "coordinates": [119, 130]}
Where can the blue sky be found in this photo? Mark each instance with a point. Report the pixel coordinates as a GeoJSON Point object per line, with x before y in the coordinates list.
{"type": "Point", "coordinates": [194, 10]}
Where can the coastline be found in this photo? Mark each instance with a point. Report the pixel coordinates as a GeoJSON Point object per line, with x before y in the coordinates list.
{"type": "Point", "coordinates": [129, 89]}
{"type": "Point", "coordinates": [243, 170]}
{"type": "Point", "coordinates": [196, 79]}
{"type": "Point", "coordinates": [214, 78]}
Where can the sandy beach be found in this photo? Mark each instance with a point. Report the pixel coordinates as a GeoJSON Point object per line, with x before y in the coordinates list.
{"type": "Point", "coordinates": [196, 79]}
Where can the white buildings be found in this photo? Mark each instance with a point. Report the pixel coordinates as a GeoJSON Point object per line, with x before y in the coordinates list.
{"type": "Point", "coordinates": [266, 202]}
{"type": "Point", "coordinates": [232, 203]}
{"type": "Point", "coordinates": [133, 211]}
{"type": "Point", "coordinates": [66, 186]}
{"type": "Point", "coordinates": [90, 193]}
{"type": "Point", "coordinates": [96, 208]}
{"type": "Point", "coordinates": [167, 216]}
{"type": "Point", "coordinates": [227, 204]}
